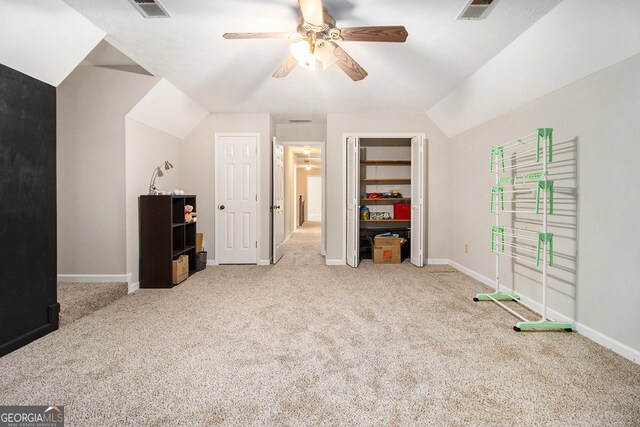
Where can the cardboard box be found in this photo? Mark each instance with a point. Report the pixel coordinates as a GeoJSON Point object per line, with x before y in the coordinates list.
{"type": "Point", "coordinates": [386, 250]}
{"type": "Point", "coordinates": [199, 239]}
{"type": "Point", "coordinates": [180, 269]}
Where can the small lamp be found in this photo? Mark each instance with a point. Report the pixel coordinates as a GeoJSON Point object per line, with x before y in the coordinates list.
{"type": "Point", "coordinates": [153, 190]}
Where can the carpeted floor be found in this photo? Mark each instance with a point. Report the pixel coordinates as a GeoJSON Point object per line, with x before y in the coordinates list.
{"type": "Point", "coordinates": [80, 299]}
{"type": "Point", "coordinates": [300, 343]}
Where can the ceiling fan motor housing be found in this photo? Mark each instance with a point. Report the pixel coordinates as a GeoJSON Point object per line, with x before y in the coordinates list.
{"type": "Point", "coordinates": [305, 27]}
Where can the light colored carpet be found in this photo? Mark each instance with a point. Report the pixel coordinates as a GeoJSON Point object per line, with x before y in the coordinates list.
{"type": "Point", "coordinates": [80, 299]}
{"type": "Point", "coordinates": [301, 343]}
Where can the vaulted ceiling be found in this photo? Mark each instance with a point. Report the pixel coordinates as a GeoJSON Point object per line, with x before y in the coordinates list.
{"type": "Point", "coordinates": [235, 75]}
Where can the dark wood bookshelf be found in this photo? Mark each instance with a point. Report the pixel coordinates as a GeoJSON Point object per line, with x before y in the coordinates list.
{"type": "Point", "coordinates": [164, 236]}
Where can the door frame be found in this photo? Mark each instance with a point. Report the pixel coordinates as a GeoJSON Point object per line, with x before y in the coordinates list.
{"type": "Point", "coordinates": [274, 249]}
{"type": "Point", "coordinates": [216, 222]}
{"type": "Point", "coordinates": [323, 168]}
{"type": "Point", "coordinates": [409, 135]}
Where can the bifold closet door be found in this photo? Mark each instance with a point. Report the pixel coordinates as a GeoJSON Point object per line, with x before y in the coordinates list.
{"type": "Point", "coordinates": [417, 201]}
{"type": "Point", "coordinates": [352, 202]}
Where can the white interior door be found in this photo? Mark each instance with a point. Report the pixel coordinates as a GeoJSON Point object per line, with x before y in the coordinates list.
{"type": "Point", "coordinates": [417, 201]}
{"type": "Point", "coordinates": [236, 199]}
{"type": "Point", "coordinates": [314, 197]}
{"type": "Point", "coordinates": [353, 206]}
{"type": "Point", "coordinates": [278, 201]}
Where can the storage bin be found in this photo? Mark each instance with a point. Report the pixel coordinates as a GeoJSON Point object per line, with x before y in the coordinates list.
{"type": "Point", "coordinates": [402, 211]}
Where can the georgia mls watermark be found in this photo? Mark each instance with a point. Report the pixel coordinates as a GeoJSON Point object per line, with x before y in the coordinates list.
{"type": "Point", "coordinates": [32, 416]}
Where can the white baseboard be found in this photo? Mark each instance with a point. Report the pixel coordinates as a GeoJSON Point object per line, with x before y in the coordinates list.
{"type": "Point", "coordinates": [264, 262]}
{"type": "Point", "coordinates": [595, 336]}
{"type": "Point", "coordinates": [212, 262]}
{"type": "Point", "coordinates": [335, 262]}
{"type": "Point", "coordinates": [94, 278]}
{"type": "Point", "coordinates": [314, 218]}
{"type": "Point", "coordinates": [134, 287]}
{"type": "Point", "coordinates": [435, 261]}
{"type": "Point", "coordinates": [608, 342]}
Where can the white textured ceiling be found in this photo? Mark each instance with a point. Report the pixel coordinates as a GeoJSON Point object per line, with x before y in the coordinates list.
{"type": "Point", "coordinates": [235, 75]}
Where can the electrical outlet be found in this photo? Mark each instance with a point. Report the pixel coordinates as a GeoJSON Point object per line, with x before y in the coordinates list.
{"type": "Point", "coordinates": [466, 248]}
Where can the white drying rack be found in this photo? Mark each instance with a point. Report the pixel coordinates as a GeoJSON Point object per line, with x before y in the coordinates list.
{"type": "Point", "coordinates": [539, 183]}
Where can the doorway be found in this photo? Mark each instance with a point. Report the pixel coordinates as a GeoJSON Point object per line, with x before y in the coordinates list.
{"type": "Point", "coordinates": [385, 181]}
{"type": "Point", "coordinates": [298, 191]}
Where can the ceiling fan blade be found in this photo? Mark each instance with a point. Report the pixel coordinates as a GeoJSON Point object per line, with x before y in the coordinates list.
{"type": "Point", "coordinates": [374, 34]}
{"type": "Point", "coordinates": [286, 67]}
{"type": "Point", "coordinates": [312, 12]}
{"type": "Point", "coordinates": [348, 65]}
{"type": "Point", "coordinates": [234, 36]}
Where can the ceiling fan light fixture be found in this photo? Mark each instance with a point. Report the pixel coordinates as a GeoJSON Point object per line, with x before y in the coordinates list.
{"type": "Point", "coordinates": [324, 54]}
{"type": "Point", "coordinates": [302, 52]}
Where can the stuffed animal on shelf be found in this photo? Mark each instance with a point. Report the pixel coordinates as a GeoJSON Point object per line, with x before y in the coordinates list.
{"type": "Point", "coordinates": [189, 214]}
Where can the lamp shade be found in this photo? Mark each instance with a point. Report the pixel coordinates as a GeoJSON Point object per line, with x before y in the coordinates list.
{"type": "Point", "coordinates": [324, 54]}
{"type": "Point", "coordinates": [302, 52]}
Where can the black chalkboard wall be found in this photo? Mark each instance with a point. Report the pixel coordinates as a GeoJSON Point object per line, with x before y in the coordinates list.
{"type": "Point", "coordinates": [28, 296]}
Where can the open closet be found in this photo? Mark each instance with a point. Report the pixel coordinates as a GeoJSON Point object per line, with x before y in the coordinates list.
{"type": "Point", "coordinates": [385, 185]}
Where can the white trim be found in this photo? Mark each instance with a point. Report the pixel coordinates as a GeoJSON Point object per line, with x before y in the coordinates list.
{"type": "Point", "coordinates": [264, 261]}
{"type": "Point", "coordinates": [216, 225]}
{"type": "Point", "coordinates": [435, 261]}
{"type": "Point", "coordinates": [94, 278]}
{"type": "Point", "coordinates": [608, 342]}
{"type": "Point", "coordinates": [479, 277]}
{"type": "Point", "coordinates": [212, 262]}
{"type": "Point", "coordinates": [590, 333]}
{"type": "Point", "coordinates": [525, 300]}
{"type": "Point", "coordinates": [335, 262]}
{"type": "Point", "coordinates": [344, 176]}
{"type": "Point", "coordinates": [132, 287]}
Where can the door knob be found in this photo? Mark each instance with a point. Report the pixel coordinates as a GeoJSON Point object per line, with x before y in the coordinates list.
{"type": "Point", "coordinates": [221, 207]}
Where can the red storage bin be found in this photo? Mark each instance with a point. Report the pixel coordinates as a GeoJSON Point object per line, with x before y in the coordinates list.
{"type": "Point", "coordinates": [402, 211]}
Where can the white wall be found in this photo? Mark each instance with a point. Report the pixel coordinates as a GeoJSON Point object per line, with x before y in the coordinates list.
{"type": "Point", "coordinates": [45, 39]}
{"type": "Point", "coordinates": [199, 173]}
{"type": "Point", "coordinates": [146, 148]}
{"type": "Point", "coordinates": [437, 221]}
{"type": "Point", "coordinates": [302, 187]}
{"type": "Point", "coordinates": [167, 108]}
{"type": "Point", "coordinates": [575, 39]}
{"type": "Point", "coordinates": [301, 132]}
{"type": "Point", "coordinates": [600, 115]}
{"type": "Point", "coordinates": [314, 198]}
{"type": "Point", "coordinates": [91, 105]}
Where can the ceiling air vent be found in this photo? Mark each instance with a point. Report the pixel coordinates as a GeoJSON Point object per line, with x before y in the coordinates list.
{"type": "Point", "coordinates": [299, 121]}
{"type": "Point", "coordinates": [476, 9]}
{"type": "Point", "coordinates": [150, 8]}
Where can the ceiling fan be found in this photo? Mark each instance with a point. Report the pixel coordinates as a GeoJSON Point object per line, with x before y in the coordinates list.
{"type": "Point", "coordinates": [316, 37]}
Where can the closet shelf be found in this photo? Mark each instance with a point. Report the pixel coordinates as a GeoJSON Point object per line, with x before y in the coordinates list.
{"type": "Point", "coordinates": [385, 220]}
{"type": "Point", "coordinates": [386, 162]}
{"type": "Point", "coordinates": [389, 180]}
{"type": "Point", "coordinates": [386, 199]}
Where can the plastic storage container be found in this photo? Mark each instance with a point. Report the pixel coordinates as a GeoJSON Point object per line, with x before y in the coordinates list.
{"type": "Point", "coordinates": [402, 211]}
